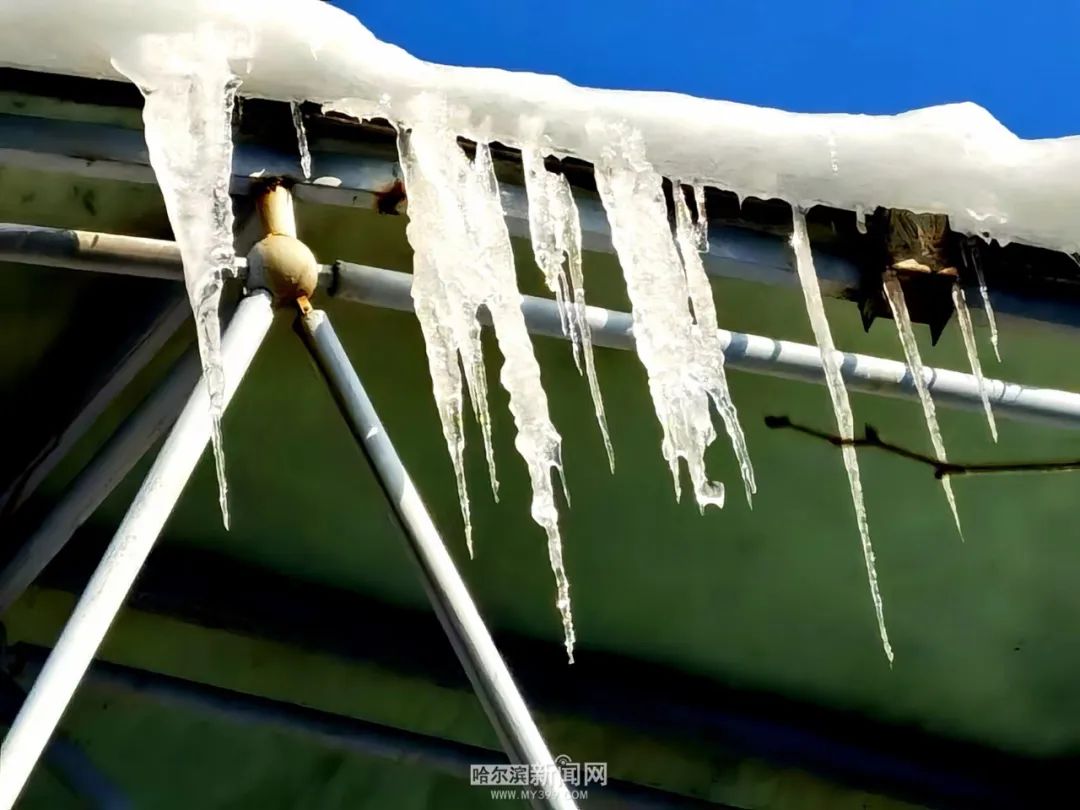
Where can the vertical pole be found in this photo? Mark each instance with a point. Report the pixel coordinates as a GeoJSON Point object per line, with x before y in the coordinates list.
{"type": "Point", "coordinates": [450, 598]}
{"type": "Point", "coordinates": [115, 574]}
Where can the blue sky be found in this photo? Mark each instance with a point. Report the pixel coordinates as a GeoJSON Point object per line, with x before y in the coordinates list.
{"type": "Point", "coordinates": [1020, 60]}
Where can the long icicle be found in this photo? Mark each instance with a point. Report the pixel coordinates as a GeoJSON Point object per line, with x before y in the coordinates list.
{"type": "Point", "coordinates": [894, 293]}
{"type": "Point", "coordinates": [984, 293]}
{"type": "Point", "coordinates": [555, 230]}
{"type": "Point", "coordinates": [815, 308]}
{"type": "Point", "coordinates": [190, 92]}
{"type": "Point", "coordinates": [463, 261]}
{"type": "Point", "coordinates": [963, 315]}
{"type": "Point", "coordinates": [301, 139]}
{"type": "Point", "coordinates": [693, 240]}
{"type": "Point", "coordinates": [681, 368]}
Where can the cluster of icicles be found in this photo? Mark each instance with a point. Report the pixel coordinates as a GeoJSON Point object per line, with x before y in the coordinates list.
{"type": "Point", "coordinates": [464, 266]}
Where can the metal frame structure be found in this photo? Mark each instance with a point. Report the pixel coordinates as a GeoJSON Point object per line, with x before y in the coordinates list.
{"type": "Point", "coordinates": [101, 151]}
{"type": "Point", "coordinates": [107, 590]}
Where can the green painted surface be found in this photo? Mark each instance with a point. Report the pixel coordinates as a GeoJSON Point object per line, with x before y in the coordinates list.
{"type": "Point", "coordinates": [773, 598]}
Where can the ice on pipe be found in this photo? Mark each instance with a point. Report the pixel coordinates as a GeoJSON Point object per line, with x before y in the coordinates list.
{"type": "Point", "coordinates": [463, 262]}
{"type": "Point", "coordinates": [831, 359]}
{"type": "Point", "coordinates": [894, 293]}
{"type": "Point", "coordinates": [682, 356]}
{"type": "Point", "coordinates": [190, 87]}
{"type": "Point", "coordinates": [967, 332]}
{"type": "Point", "coordinates": [555, 231]}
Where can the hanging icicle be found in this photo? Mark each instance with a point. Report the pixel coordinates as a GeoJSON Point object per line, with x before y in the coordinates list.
{"type": "Point", "coordinates": [967, 331]}
{"type": "Point", "coordinates": [830, 359]}
{"type": "Point", "coordinates": [894, 294]}
{"type": "Point", "coordinates": [190, 89]}
{"type": "Point", "coordinates": [301, 139]}
{"type": "Point", "coordinates": [463, 261]}
{"type": "Point", "coordinates": [555, 230]}
{"type": "Point", "coordinates": [692, 238]}
{"type": "Point", "coordinates": [971, 259]}
{"type": "Point", "coordinates": [680, 355]}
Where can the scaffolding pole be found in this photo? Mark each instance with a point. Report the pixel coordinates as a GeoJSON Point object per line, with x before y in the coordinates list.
{"type": "Point", "coordinates": [460, 619]}
{"type": "Point", "coordinates": [390, 289]}
{"type": "Point", "coordinates": [94, 483]}
{"type": "Point", "coordinates": [130, 546]}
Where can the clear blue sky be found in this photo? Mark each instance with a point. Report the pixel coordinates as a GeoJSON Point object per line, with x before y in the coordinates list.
{"type": "Point", "coordinates": [1020, 60]}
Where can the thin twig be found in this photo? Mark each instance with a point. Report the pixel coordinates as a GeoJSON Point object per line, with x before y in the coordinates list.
{"type": "Point", "coordinates": [870, 438]}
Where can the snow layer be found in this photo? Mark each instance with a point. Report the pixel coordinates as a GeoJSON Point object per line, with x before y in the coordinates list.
{"type": "Point", "coordinates": [966, 165]}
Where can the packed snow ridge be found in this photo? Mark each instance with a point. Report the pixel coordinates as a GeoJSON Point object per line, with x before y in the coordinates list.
{"type": "Point", "coordinates": [190, 58]}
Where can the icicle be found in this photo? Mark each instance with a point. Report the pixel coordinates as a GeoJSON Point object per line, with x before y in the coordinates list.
{"type": "Point", "coordinates": [815, 308]}
{"type": "Point", "coordinates": [690, 237]}
{"type": "Point", "coordinates": [701, 226]}
{"type": "Point", "coordinates": [301, 139]}
{"type": "Point", "coordinates": [189, 91]}
{"type": "Point", "coordinates": [860, 219]}
{"type": "Point", "coordinates": [682, 358]}
{"type": "Point", "coordinates": [985, 295]}
{"type": "Point", "coordinates": [555, 230]}
{"type": "Point", "coordinates": [894, 293]}
{"type": "Point", "coordinates": [463, 261]}
{"type": "Point", "coordinates": [968, 333]}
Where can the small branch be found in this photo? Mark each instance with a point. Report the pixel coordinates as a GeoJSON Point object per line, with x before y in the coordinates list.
{"type": "Point", "coordinates": [941, 469]}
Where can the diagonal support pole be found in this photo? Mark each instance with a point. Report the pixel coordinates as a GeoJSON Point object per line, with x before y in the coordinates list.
{"type": "Point", "coordinates": [108, 587]}
{"type": "Point", "coordinates": [146, 346]}
{"type": "Point", "coordinates": [132, 440]}
{"type": "Point", "coordinates": [453, 605]}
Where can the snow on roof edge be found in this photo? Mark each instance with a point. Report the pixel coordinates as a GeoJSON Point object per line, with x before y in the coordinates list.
{"type": "Point", "coordinates": [954, 159]}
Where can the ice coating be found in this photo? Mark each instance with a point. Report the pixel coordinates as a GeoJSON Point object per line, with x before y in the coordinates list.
{"type": "Point", "coordinates": [301, 139]}
{"type": "Point", "coordinates": [555, 230]}
{"type": "Point", "coordinates": [190, 88]}
{"type": "Point", "coordinates": [967, 165]}
{"type": "Point", "coordinates": [680, 360]}
{"type": "Point", "coordinates": [894, 293]}
{"type": "Point", "coordinates": [463, 261]}
{"type": "Point", "coordinates": [967, 331]}
{"type": "Point", "coordinates": [830, 358]}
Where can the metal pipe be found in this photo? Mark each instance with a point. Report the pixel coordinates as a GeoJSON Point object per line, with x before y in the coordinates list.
{"type": "Point", "coordinates": [331, 730]}
{"type": "Point", "coordinates": [86, 250]}
{"type": "Point", "coordinates": [460, 619]}
{"type": "Point", "coordinates": [754, 354]}
{"type": "Point", "coordinates": [94, 483]}
{"type": "Point", "coordinates": [127, 552]}
{"type": "Point", "coordinates": [143, 350]}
